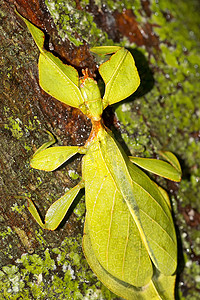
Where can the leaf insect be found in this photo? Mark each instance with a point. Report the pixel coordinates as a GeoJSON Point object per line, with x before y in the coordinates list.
{"type": "Point", "coordinates": [129, 238]}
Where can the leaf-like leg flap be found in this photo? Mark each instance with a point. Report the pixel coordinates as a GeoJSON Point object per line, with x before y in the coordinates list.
{"type": "Point", "coordinates": [36, 33]}
{"type": "Point", "coordinates": [160, 287]}
{"type": "Point", "coordinates": [34, 212]}
{"type": "Point", "coordinates": [115, 238]}
{"type": "Point", "coordinates": [103, 50]}
{"type": "Point", "coordinates": [53, 157]}
{"type": "Point", "coordinates": [56, 78]}
{"type": "Point", "coordinates": [120, 76]}
{"type": "Point", "coordinates": [172, 159]}
{"type": "Point", "coordinates": [158, 167]}
{"type": "Point", "coordinates": [51, 141]}
{"type": "Point", "coordinates": [58, 209]}
{"type": "Point", "coordinates": [59, 80]}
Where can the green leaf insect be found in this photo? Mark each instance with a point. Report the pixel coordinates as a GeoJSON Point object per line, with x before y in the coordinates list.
{"type": "Point", "coordinates": [129, 237]}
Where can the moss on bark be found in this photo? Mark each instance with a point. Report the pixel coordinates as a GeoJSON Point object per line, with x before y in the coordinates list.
{"type": "Point", "coordinates": [163, 114]}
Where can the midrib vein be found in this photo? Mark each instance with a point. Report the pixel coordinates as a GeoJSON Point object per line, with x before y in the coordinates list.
{"type": "Point", "coordinates": [126, 243]}
{"type": "Point", "coordinates": [116, 70]}
{"type": "Point", "coordinates": [109, 229]}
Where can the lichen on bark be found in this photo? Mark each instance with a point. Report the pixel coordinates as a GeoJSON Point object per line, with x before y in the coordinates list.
{"type": "Point", "coordinates": [164, 114]}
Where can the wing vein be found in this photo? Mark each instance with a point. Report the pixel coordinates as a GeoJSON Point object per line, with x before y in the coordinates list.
{"type": "Point", "coordinates": [154, 200]}
{"type": "Point", "coordinates": [74, 86]}
{"type": "Point", "coordinates": [157, 224]}
{"type": "Point", "coordinates": [153, 241]}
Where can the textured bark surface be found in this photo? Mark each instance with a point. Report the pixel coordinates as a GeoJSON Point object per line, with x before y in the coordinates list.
{"type": "Point", "coordinates": [164, 39]}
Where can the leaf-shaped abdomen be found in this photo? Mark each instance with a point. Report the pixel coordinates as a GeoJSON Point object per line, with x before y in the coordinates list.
{"type": "Point", "coordinates": [114, 235]}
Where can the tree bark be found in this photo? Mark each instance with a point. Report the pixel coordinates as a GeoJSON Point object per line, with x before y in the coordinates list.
{"type": "Point", "coordinates": [163, 114]}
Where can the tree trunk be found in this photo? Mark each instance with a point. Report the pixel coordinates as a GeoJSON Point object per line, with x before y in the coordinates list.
{"type": "Point", "coordinates": [163, 37]}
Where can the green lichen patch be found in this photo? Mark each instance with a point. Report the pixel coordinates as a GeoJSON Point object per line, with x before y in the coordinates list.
{"type": "Point", "coordinates": [118, 4]}
{"type": "Point", "coordinates": [76, 25]}
{"type": "Point", "coordinates": [59, 273]}
{"type": "Point", "coordinates": [15, 127]}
